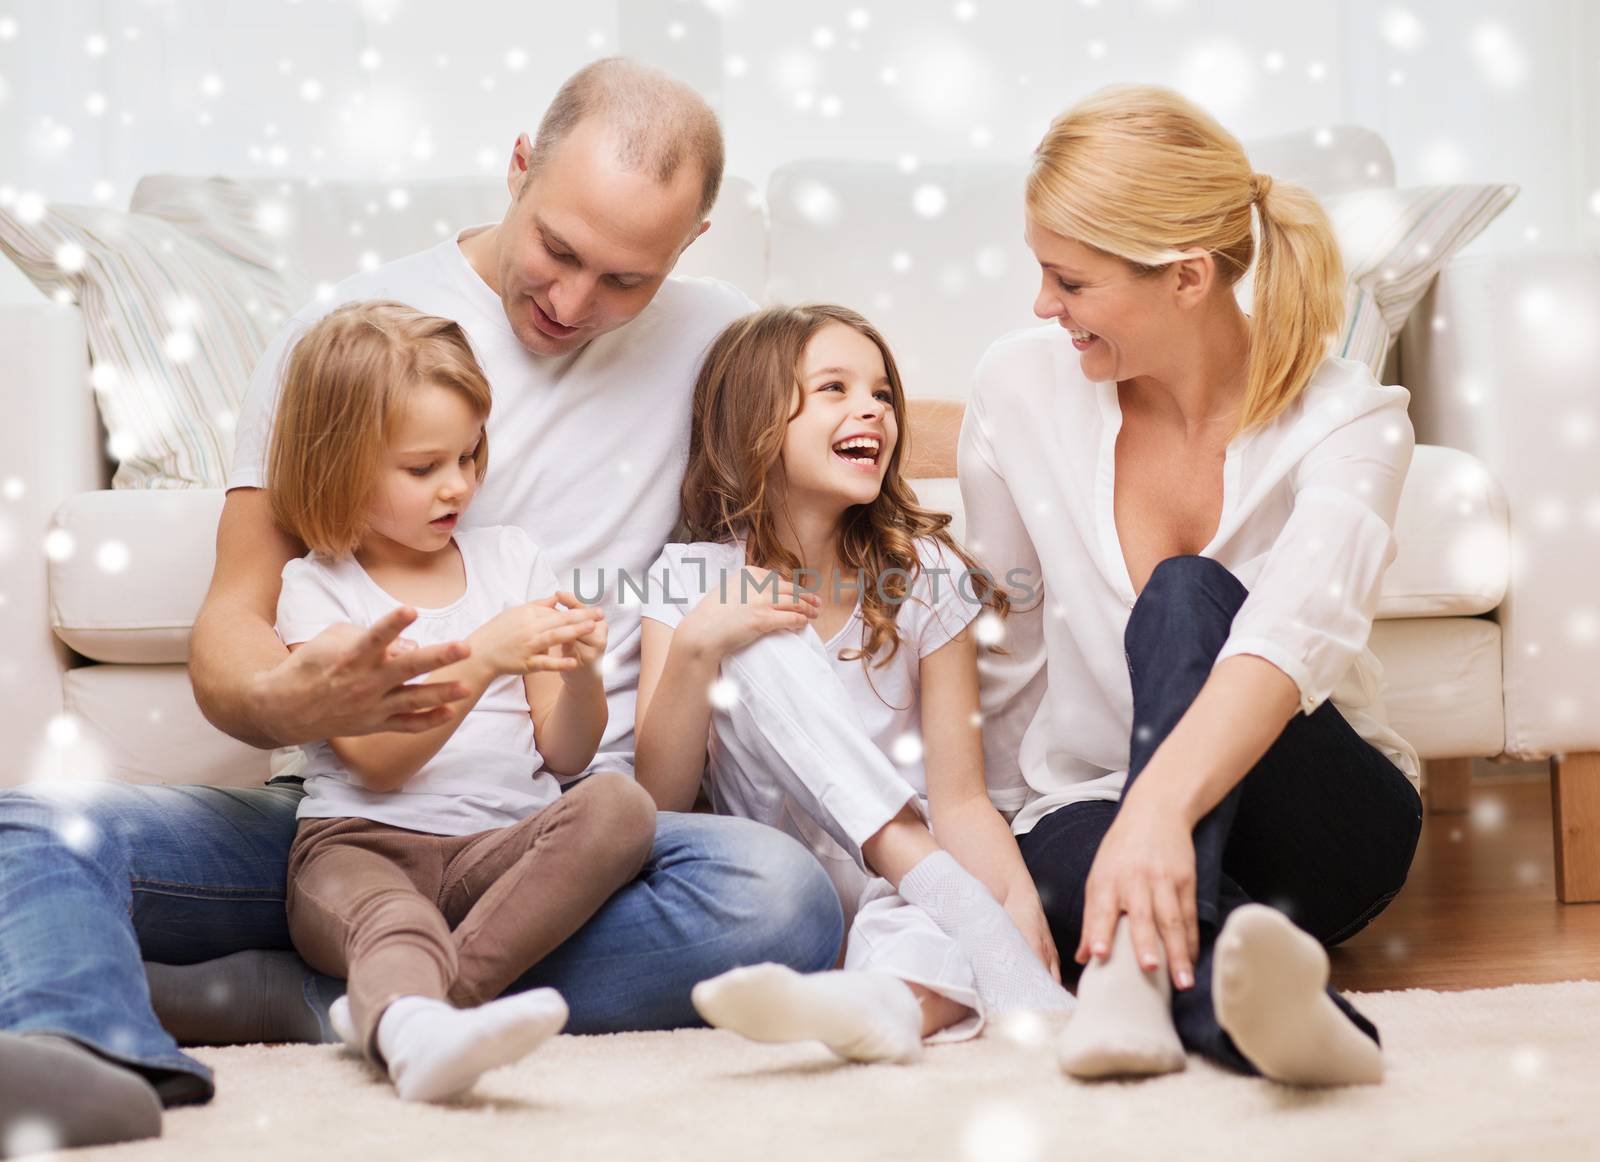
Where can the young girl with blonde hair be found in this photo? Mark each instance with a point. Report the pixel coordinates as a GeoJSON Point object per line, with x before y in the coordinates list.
{"type": "Point", "coordinates": [1209, 499]}
{"type": "Point", "coordinates": [433, 869]}
{"type": "Point", "coordinates": [810, 652]}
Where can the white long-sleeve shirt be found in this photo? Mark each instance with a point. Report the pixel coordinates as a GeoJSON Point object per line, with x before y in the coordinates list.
{"type": "Point", "coordinates": [1307, 523]}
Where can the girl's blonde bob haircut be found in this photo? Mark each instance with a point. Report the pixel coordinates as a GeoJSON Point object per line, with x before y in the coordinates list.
{"type": "Point", "coordinates": [347, 381]}
{"type": "Point", "coordinates": [1145, 175]}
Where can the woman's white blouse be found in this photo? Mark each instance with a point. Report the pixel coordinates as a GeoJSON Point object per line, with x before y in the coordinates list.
{"type": "Point", "coordinates": [1307, 523]}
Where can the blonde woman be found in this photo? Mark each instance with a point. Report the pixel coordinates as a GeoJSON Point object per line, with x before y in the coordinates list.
{"type": "Point", "coordinates": [1188, 708]}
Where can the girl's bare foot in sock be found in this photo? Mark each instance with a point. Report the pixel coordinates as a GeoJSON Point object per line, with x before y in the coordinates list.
{"type": "Point", "coordinates": [436, 1052]}
{"type": "Point", "coordinates": [1123, 1024]}
{"type": "Point", "coordinates": [1270, 989]}
{"type": "Point", "coordinates": [55, 1094]}
{"type": "Point", "coordinates": [861, 1016]}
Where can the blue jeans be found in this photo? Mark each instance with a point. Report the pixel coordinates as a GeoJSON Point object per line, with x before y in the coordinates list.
{"type": "Point", "coordinates": [1323, 827]}
{"type": "Point", "coordinates": [96, 878]}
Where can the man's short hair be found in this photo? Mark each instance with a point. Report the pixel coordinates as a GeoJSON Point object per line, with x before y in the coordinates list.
{"type": "Point", "coordinates": [658, 122]}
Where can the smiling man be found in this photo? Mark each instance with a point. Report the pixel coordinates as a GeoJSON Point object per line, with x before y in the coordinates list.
{"type": "Point", "coordinates": [591, 348]}
{"type": "Point", "coordinates": [587, 242]}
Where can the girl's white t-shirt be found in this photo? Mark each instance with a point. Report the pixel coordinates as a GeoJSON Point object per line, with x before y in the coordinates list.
{"type": "Point", "coordinates": [1307, 526]}
{"type": "Point", "coordinates": [939, 604]}
{"type": "Point", "coordinates": [486, 775]}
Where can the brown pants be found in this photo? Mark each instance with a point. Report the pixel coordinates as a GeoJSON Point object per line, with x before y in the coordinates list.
{"type": "Point", "coordinates": [459, 918]}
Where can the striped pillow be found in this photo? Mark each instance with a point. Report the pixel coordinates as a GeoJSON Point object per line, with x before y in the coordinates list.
{"type": "Point", "coordinates": [178, 301]}
{"type": "Point", "coordinates": [1393, 243]}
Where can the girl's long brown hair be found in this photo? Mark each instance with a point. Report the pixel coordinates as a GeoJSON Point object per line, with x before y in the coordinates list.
{"type": "Point", "coordinates": [743, 402]}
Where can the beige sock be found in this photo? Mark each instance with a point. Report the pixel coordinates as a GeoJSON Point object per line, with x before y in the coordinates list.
{"type": "Point", "coordinates": [1269, 989]}
{"type": "Point", "coordinates": [1123, 1023]}
{"type": "Point", "coordinates": [861, 1016]}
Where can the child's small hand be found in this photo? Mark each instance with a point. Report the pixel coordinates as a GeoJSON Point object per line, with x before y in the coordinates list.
{"type": "Point", "coordinates": [755, 604]}
{"type": "Point", "coordinates": [531, 637]}
{"type": "Point", "coordinates": [590, 647]}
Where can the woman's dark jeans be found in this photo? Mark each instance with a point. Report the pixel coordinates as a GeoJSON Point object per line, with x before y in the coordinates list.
{"type": "Point", "coordinates": [1323, 828]}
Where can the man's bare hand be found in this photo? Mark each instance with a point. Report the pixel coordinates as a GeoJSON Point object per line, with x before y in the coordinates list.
{"type": "Point", "coordinates": [348, 680]}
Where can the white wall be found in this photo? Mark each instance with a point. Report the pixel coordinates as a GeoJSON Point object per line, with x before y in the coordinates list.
{"type": "Point", "coordinates": [94, 93]}
{"type": "Point", "coordinates": [1482, 90]}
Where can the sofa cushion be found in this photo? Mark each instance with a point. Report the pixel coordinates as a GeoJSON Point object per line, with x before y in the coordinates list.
{"type": "Point", "coordinates": [129, 570]}
{"type": "Point", "coordinates": [1332, 160]}
{"type": "Point", "coordinates": [141, 725]}
{"type": "Point", "coordinates": [1442, 687]}
{"type": "Point", "coordinates": [934, 257]}
{"type": "Point", "coordinates": [1454, 539]}
{"type": "Point", "coordinates": [178, 301]}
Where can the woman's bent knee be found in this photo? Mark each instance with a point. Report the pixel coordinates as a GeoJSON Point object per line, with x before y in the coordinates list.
{"type": "Point", "coordinates": [1179, 577]}
{"type": "Point", "coordinates": [1180, 586]}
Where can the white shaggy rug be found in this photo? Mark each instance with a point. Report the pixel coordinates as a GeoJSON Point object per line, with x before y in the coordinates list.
{"type": "Point", "coordinates": [1501, 1073]}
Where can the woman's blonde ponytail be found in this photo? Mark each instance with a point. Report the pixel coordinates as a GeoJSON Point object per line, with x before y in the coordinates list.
{"type": "Point", "coordinates": [1298, 302]}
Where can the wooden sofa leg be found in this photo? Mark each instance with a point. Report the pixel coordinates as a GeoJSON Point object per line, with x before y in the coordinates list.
{"type": "Point", "coordinates": [1446, 783]}
{"type": "Point", "coordinates": [1575, 801]}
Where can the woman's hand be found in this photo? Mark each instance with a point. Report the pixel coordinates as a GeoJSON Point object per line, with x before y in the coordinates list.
{"type": "Point", "coordinates": [1144, 870]}
{"type": "Point", "coordinates": [533, 636]}
{"type": "Point", "coordinates": [755, 604]}
{"type": "Point", "coordinates": [1022, 905]}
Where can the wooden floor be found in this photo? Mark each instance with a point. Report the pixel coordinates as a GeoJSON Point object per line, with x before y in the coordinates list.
{"type": "Point", "coordinates": [1479, 909]}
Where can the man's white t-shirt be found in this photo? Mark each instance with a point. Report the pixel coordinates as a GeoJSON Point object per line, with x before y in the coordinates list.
{"type": "Point", "coordinates": [586, 451]}
{"type": "Point", "coordinates": [486, 774]}
{"type": "Point", "coordinates": [939, 605]}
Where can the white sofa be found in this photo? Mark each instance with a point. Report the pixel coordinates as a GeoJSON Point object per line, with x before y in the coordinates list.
{"type": "Point", "coordinates": [93, 676]}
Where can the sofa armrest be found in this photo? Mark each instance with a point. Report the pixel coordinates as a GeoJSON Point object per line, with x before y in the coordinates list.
{"type": "Point", "coordinates": [933, 429]}
{"type": "Point", "coordinates": [1503, 360]}
{"type": "Point", "coordinates": [49, 450]}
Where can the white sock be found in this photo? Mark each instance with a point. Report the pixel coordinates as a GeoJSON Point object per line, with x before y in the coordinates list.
{"type": "Point", "coordinates": [1123, 1023]}
{"type": "Point", "coordinates": [861, 1016]}
{"type": "Point", "coordinates": [1269, 987]}
{"type": "Point", "coordinates": [1005, 970]}
{"type": "Point", "coordinates": [343, 1023]}
{"type": "Point", "coordinates": [436, 1052]}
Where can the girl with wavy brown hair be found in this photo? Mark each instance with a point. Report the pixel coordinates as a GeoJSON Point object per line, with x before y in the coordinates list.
{"type": "Point", "coordinates": [835, 623]}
